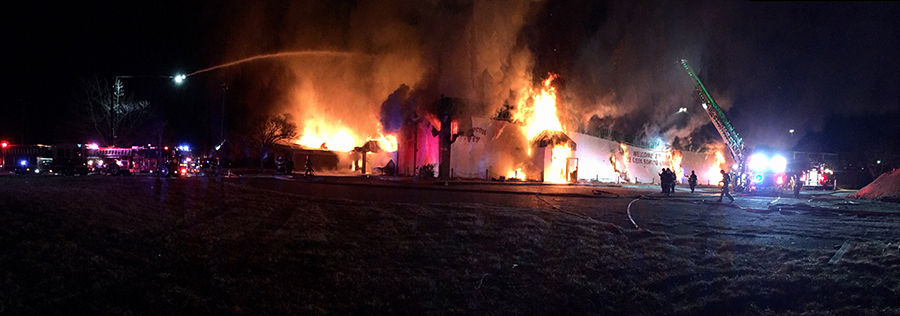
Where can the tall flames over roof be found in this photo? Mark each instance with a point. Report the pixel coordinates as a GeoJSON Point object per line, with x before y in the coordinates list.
{"type": "Point", "coordinates": [338, 62]}
{"type": "Point", "coordinates": [540, 115]}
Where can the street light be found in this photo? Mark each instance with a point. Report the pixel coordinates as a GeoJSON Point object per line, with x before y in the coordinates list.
{"type": "Point", "coordinates": [792, 133]}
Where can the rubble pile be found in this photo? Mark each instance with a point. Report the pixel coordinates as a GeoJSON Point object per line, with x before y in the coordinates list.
{"type": "Point", "coordinates": [887, 185]}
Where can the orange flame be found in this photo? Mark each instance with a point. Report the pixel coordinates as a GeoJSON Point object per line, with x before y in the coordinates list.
{"type": "Point", "coordinates": [387, 142]}
{"type": "Point", "coordinates": [516, 174]}
{"type": "Point", "coordinates": [541, 114]}
{"type": "Point", "coordinates": [338, 138]}
{"type": "Point", "coordinates": [624, 158]}
{"type": "Point", "coordinates": [558, 168]}
{"type": "Point", "coordinates": [675, 164]}
{"type": "Point", "coordinates": [713, 172]}
{"type": "Point", "coordinates": [319, 138]}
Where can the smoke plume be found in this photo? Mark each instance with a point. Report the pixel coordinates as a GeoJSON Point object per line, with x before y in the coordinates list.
{"type": "Point", "coordinates": [618, 62]}
{"type": "Point", "coordinates": [374, 62]}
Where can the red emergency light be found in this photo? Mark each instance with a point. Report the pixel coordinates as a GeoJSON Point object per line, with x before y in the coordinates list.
{"type": "Point", "coordinates": [4, 145]}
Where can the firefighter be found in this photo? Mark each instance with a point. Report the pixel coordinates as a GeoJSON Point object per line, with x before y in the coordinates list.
{"type": "Point", "coordinates": [309, 169]}
{"type": "Point", "coordinates": [692, 181]}
{"type": "Point", "coordinates": [797, 185]}
{"type": "Point", "coordinates": [279, 165]}
{"type": "Point", "coordinates": [726, 180]}
{"type": "Point", "coordinates": [289, 166]}
{"type": "Point", "coordinates": [673, 180]}
{"type": "Point", "coordinates": [663, 181]}
{"type": "Point", "coordinates": [391, 168]}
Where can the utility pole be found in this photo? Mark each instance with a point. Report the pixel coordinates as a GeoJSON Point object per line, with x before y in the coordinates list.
{"type": "Point", "coordinates": [224, 94]}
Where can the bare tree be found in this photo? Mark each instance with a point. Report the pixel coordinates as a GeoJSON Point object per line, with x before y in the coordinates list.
{"type": "Point", "coordinates": [266, 131]}
{"type": "Point", "coordinates": [111, 115]}
{"type": "Point", "coordinates": [878, 157]}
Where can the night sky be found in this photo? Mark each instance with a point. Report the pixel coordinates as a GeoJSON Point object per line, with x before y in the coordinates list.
{"type": "Point", "coordinates": [827, 70]}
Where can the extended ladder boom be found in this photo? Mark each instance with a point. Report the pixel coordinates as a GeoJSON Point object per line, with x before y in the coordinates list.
{"type": "Point", "coordinates": [729, 135]}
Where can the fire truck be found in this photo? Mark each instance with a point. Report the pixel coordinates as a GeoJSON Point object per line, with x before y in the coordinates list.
{"type": "Point", "coordinates": [71, 159]}
{"type": "Point", "coordinates": [768, 172]}
{"type": "Point", "coordinates": [121, 161]}
{"type": "Point", "coordinates": [816, 168]}
{"type": "Point", "coordinates": [754, 171]}
{"type": "Point", "coordinates": [65, 159]}
{"type": "Point", "coordinates": [140, 159]}
{"type": "Point", "coordinates": [26, 159]}
{"type": "Point", "coordinates": [178, 161]}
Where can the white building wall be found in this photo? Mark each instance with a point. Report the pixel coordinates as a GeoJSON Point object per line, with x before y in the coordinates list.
{"type": "Point", "coordinates": [488, 149]}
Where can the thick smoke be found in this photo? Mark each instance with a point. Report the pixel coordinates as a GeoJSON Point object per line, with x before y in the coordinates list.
{"type": "Point", "coordinates": [774, 66]}
{"type": "Point", "coordinates": [403, 55]}
{"type": "Point", "coordinates": [617, 61]}
{"type": "Point", "coordinates": [627, 76]}
{"type": "Point", "coordinates": [367, 55]}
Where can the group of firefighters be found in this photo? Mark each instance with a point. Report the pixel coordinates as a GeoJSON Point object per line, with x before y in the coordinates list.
{"type": "Point", "coordinates": [283, 166]}
{"type": "Point", "coordinates": [668, 180]}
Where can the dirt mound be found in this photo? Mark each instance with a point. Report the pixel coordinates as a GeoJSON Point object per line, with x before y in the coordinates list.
{"type": "Point", "coordinates": [887, 185]}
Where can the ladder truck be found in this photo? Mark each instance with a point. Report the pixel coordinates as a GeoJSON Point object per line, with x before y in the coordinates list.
{"type": "Point", "coordinates": [729, 135]}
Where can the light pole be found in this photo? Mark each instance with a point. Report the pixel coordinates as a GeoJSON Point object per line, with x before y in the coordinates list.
{"type": "Point", "coordinates": [222, 131]}
{"type": "Point", "coordinates": [178, 79]}
{"type": "Point", "coordinates": [117, 86]}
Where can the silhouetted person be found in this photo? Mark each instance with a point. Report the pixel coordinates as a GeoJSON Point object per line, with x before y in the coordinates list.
{"type": "Point", "coordinates": [279, 165]}
{"type": "Point", "coordinates": [663, 176]}
{"type": "Point", "coordinates": [289, 166]}
{"type": "Point", "coordinates": [391, 168]}
{"type": "Point", "coordinates": [692, 181]}
{"type": "Point", "coordinates": [726, 181]}
{"type": "Point", "coordinates": [673, 180]}
{"type": "Point", "coordinates": [309, 169]}
{"type": "Point", "coordinates": [797, 185]}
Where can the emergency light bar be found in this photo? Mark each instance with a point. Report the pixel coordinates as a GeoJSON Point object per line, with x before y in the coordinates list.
{"type": "Point", "coordinates": [760, 163]}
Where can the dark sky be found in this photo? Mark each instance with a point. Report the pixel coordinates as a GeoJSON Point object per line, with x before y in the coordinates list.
{"type": "Point", "coordinates": [820, 68]}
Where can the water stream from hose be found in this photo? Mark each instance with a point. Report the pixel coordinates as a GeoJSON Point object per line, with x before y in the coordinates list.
{"type": "Point", "coordinates": [305, 53]}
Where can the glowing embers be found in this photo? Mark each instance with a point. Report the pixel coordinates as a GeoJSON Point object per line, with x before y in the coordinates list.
{"type": "Point", "coordinates": [516, 174]}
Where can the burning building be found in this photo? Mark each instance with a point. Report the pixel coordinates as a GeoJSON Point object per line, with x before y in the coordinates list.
{"type": "Point", "coordinates": [526, 142]}
{"type": "Point", "coordinates": [376, 70]}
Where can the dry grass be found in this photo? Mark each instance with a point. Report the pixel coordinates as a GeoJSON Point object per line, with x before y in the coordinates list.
{"type": "Point", "coordinates": [137, 245]}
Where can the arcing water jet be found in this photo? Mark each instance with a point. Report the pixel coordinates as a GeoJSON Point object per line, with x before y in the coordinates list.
{"type": "Point", "coordinates": [310, 53]}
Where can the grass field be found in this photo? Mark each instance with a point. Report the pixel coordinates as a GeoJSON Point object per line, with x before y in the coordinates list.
{"type": "Point", "coordinates": [145, 246]}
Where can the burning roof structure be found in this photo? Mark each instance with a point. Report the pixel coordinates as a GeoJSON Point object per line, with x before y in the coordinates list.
{"type": "Point", "coordinates": [550, 138]}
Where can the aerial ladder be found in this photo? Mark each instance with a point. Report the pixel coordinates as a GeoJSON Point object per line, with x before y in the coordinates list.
{"type": "Point", "coordinates": [729, 135]}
